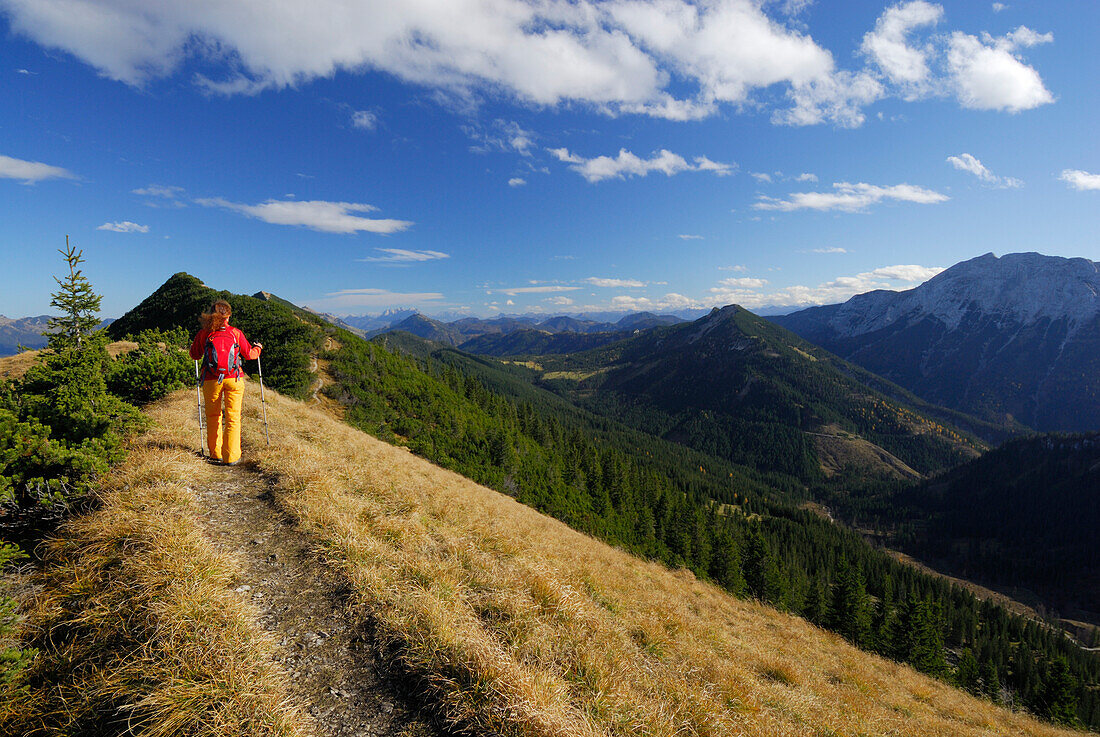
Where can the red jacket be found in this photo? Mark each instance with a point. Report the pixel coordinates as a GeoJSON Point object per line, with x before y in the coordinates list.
{"type": "Point", "coordinates": [198, 347]}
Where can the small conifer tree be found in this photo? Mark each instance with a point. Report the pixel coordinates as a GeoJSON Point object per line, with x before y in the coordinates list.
{"type": "Point", "coordinates": [79, 305]}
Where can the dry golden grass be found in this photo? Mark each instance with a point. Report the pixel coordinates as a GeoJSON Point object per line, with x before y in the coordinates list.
{"type": "Point", "coordinates": [13, 367]}
{"type": "Point", "coordinates": [138, 627]}
{"type": "Point", "coordinates": [517, 625]}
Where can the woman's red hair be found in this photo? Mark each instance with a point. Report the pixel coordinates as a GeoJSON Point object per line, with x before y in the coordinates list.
{"type": "Point", "coordinates": [218, 316]}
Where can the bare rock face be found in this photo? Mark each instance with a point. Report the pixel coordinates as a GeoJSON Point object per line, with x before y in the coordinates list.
{"type": "Point", "coordinates": [1016, 337]}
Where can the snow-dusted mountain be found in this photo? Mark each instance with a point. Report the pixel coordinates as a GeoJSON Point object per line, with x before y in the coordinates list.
{"type": "Point", "coordinates": [1010, 337]}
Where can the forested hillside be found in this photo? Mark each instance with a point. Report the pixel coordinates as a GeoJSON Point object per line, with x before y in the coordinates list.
{"type": "Point", "coordinates": [1023, 518]}
{"type": "Point", "coordinates": [735, 386]}
{"type": "Point", "coordinates": [289, 335]}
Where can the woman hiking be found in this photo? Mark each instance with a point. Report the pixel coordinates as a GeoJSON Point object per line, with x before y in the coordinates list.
{"type": "Point", "coordinates": [222, 348]}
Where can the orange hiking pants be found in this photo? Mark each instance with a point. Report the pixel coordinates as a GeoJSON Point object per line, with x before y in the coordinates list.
{"type": "Point", "coordinates": [223, 406]}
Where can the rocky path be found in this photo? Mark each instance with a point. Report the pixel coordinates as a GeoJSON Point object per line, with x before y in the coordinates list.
{"type": "Point", "coordinates": [323, 645]}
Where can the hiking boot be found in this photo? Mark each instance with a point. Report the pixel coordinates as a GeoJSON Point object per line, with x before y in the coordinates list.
{"type": "Point", "coordinates": [234, 463]}
{"type": "Point", "coordinates": [215, 461]}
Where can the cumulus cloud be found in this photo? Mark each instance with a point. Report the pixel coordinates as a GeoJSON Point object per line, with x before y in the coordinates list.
{"type": "Point", "coordinates": [1080, 180]}
{"type": "Point", "coordinates": [602, 282]}
{"type": "Point", "coordinates": [888, 44]}
{"type": "Point", "coordinates": [673, 59]}
{"type": "Point", "coordinates": [371, 297]}
{"type": "Point", "coordinates": [124, 226]}
{"type": "Point", "coordinates": [971, 165]}
{"type": "Point", "coordinates": [31, 171]}
{"type": "Point", "coordinates": [670, 301]}
{"type": "Point", "coordinates": [761, 177]}
{"type": "Point", "coordinates": [628, 164]}
{"type": "Point", "coordinates": [326, 217]}
{"type": "Point", "coordinates": [403, 256]}
{"type": "Point", "coordinates": [618, 56]}
{"type": "Point", "coordinates": [998, 7]}
{"type": "Point", "coordinates": [517, 182]}
{"type": "Point", "coordinates": [559, 301]}
{"type": "Point", "coordinates": [806, 177]}
{"type": "Point", "coordinates": [364, 120]}
{"type": "Point", "coordinates": [847, 197]}
{"type": "Point", "coordinates": [902, 276]}
{"type": "Point", "coordinates": [988, 74]}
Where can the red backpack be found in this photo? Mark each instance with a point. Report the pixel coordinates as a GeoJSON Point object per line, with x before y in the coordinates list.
{"type": "Point", "coordinates": [222, 355]}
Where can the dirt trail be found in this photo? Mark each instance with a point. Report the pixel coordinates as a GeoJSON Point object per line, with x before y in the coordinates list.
{"type": "Point", "coordinates": [324, 647]}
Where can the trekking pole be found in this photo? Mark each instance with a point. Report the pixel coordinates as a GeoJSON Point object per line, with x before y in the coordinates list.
{"type": "Point", "coordinates": [198, 407]}
{"type": "Point", "coordinates": [263, 401]}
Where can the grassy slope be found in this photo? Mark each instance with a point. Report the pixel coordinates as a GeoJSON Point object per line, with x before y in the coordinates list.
{"type": "Point", "coordinates": [135, 617]}
{"type": "Point", "coordinates": [516, 624]}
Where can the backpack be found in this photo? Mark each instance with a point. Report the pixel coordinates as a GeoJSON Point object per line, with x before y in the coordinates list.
{"type": "Point", "coordinates": [222, 355]}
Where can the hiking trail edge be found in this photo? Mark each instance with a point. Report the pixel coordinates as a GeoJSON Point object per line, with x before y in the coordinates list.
{"type": "Point", "coordinates": [324, 647]}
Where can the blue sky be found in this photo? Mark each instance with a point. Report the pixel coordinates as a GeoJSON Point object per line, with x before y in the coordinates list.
{"type": "Point", "coordinates": [506, 156]}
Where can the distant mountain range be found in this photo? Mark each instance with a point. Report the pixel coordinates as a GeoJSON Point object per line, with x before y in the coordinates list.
{"type": "Point", "coordinates": [527, 334]}
{"type": "Point", "coordinates": [26, 331]}
{"type": "Point", "coordinates": [1016, 337]}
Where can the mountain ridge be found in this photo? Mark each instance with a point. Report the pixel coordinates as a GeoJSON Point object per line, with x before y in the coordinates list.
{"type": "Point", "coordinates": [1009, 338]}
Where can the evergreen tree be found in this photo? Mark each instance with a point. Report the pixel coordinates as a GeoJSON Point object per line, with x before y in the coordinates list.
{"type": "Point", "coordinates": [991, 684]}
{"type": "Point", "coordinates": [1059, 699]}
{"type": "Point", "coordinates": [966, 673]}
{"type": "Point", "coordinates": [79, 305]}
{"type": "Point", "coordinates": [850, 610]}
{"type": "Point", "coordinates": [926, 648]}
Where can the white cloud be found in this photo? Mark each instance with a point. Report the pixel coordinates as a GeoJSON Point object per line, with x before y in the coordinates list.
{"type": "Point", "coordinates": [903, 276]}
{"type": "Point", "coordinates": [988, 74]}
{"type": "Point", "coordinates": [671, 301]}
{"type": "Point", "coordinates": [743, 282]}
{"type": "Point", "coordinates": [848, 197]}
{"type": "Point", "coordinates": [371, 297]}
{"type": "Point", "coordinates": [888, 44]}
{"type": "Point", "coordinates": [546, 289]}
{"type": "Point", "coordinates": [23, 71]}
{"type": "Point", "coordinates": [673, 59]}
{"type": "Point", "coordinates": [364, 120]}
{"type": "Point", "coordinates": [403, 256]}
{"type": "Point", "coordinates": [327, 217]}
{"type": "Point", "coordinates": [838, 98]}
{"type": "Point", "coordinates": [31, 171]}
{"type": "Point", "coordinates": [517, 182]}
{"type": "Point", "coordinates": [998, 7]}
{"type": "Point", "coordinates": [806, 177]}
{"type": "Point", "coordinates": [970, 164]}
{"type": "Point", "coordinates": [1080, 180]}
{"type": "Point", "coordinates": [737, 268]}
{"type": "Point", "coordinates": [628, 164]}
{"type": "Point", "coordinates": [559, 301]}
{"type": "Point", "coordinates": [159, 190]}
{"type": "Point", "coordinates": [618, 56]}
{"type": "Point", "coordinates": [602, 282]}
{"type": "Point", "coordinates": [761, 176]}
{"type": "Point", "coordinates": [124, 226]}
{"type": "Point", "coordinates": [687, 237]}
